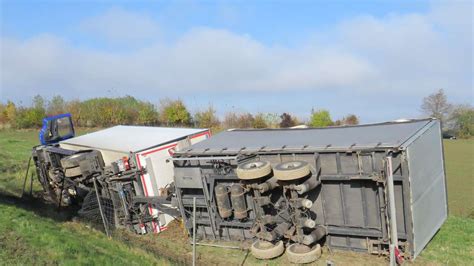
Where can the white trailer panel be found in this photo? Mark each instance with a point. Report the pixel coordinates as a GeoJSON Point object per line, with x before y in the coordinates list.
{"type": "Point", "coordinates": [150, 147]}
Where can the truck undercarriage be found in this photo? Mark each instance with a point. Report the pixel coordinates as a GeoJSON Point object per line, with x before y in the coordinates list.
{"type": "Point", "coordinates": [80, 178]}
{"type": "Point", "coordinates": [106, 194]}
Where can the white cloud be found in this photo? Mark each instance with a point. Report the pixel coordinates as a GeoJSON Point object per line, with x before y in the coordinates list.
{"type": "Point", "coordinates": [410, 54]}
{"type": "Point", "coordinates": [119, 25]}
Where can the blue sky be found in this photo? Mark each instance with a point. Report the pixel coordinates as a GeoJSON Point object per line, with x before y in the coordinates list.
{"type": "Point", "coordinates": [377, 59]}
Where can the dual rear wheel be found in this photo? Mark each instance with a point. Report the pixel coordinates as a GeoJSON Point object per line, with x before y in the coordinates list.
{"type": "Point", "coordinates": [295, 253]}
{"type": "Point", "coordinates": [286, 171]}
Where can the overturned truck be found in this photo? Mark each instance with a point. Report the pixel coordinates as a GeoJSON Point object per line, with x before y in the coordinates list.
{"type": "Point", "coordinates": [377, 188]}
{"type": "Point", "coordinates": [118, 177]}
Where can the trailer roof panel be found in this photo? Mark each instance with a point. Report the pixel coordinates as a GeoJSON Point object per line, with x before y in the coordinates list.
{"type": "Point", "coordinates": [131, 138]}
{"type": "Point", "coordinates": [390, 134]}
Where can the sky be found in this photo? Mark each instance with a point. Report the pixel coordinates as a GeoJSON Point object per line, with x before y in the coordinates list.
{"type": "Point", "coordinates": [377, 59]}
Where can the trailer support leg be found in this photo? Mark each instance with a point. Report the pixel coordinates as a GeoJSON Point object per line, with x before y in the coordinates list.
{"type": "Point", "coordinates": [392, 213]}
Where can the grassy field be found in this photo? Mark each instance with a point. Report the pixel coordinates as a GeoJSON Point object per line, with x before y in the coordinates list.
{"type": "Point", "coordinates": [33, 233]}
{"type": "Point", "coordinates": [459, 156]}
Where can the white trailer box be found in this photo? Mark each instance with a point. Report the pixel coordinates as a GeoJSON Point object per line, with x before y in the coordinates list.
{"type": "Point", "coordinates": [150, 147]}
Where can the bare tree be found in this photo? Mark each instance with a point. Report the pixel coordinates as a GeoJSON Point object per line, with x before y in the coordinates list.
{"type": "Point", "coordinates": [245, 120]}
{"type": "Point", "coordinates": [436, 105]}
{"type": "Point", "coordinates": [272, 120]}
{"type": "Point", "coordinates": [56, 106]}
{"type": "Point", "coordinates": [242, 120]}
{"type": "Point", "coordinates": [350, 119]}
{"type": "Point", "coordinates": [287, 121]}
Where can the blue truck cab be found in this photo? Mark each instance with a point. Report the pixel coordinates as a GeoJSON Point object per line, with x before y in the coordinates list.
{"type": "Point", "coordinates": [56, 128]}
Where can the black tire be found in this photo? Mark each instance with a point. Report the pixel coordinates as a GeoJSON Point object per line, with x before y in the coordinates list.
{"type": "Point", "coordinates": [253, 170]}
{"type": "Point", "coordinates": [291, 170]}
{"type": "Point", "coordinates": [300, 254]}
{"type": "Point", "coordinates": [265, 250]}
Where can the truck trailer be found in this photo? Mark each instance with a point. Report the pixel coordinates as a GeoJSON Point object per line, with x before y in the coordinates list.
{"type": "Point", "coordinates": [378, 188]}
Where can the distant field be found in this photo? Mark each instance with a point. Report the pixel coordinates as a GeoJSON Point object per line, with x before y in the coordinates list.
{"type": "Point", "coordinates": [459, 156]}
{"type": "Point", "coordinates": [31, 233]}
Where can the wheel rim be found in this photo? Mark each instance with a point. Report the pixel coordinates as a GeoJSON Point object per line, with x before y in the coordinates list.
{"type": "Point", "coordinates": [291, 165]}
{"type": "Point", "coordinates": [264, 245]}
{"type": "Point", "coordinates": [299, 248]}
{"type": "Point", "coordinates": [253, 165]}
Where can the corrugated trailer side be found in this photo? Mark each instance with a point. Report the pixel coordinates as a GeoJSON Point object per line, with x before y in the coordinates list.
{"type": "Point", "coordinates": [351, 199]}
{"type": "Point", "coordinates": [428, 200]}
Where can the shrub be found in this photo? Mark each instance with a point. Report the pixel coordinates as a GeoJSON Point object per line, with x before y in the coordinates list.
{"type": "Point", "coordinates": [321, 118]}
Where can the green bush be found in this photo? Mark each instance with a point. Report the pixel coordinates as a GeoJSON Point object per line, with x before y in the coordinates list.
{"type": "Point", "coordinates": [174, 113]}
{"type": "Point", "coordinates": [321, 118]}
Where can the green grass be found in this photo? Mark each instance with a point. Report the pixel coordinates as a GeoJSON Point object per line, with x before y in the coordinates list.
{"type": "Point", "coordinates": [459, 156]}
{"type": "Point", "coordinates": [453, 244]}
{"type": "Point", "coordinates": [28, 236]}
{"type": "Point", "coordinates": [15, 149]}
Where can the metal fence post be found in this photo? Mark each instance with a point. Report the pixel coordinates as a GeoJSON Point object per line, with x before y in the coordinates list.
{"type": "Point", "coordinates": [26, 177]}
{"type": "Point", "coordinates": [194, 231]}
{"type": "Point", "coordinates": [100, 208]}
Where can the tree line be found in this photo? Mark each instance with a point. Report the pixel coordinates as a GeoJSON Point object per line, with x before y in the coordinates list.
{"type": "Point", "coordinates": [456, 120]}
{"type": "Point", "coordinates": [104, 112]}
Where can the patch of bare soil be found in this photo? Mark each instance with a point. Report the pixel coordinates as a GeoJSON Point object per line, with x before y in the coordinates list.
{"type": "Point", "coordinates": [174, 245]}
{"type": "Point", "coordinates": [37, 204]}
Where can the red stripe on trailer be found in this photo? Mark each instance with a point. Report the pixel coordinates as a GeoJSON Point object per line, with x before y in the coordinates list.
{"type": "Point", "coordinates": [159, 149]}
{"type": "Point", "coordinates": [207, 133]}
{"type": "Point", "coordinates": [142, 176]}
{"type": "Point", "coordinates": [150, 209]}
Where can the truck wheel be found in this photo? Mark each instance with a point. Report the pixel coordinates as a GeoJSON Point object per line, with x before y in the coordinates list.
{"type": "Point", "coordinates": [299, 254]}
{"type": "Point", "coordinates": [291, 170]}
{"type": "Point", "coordinates": [253, 170]}
{"type": "Point", "coordinates": [265, 250]}
{"type": "Point", "coordinates": [72, 172]}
